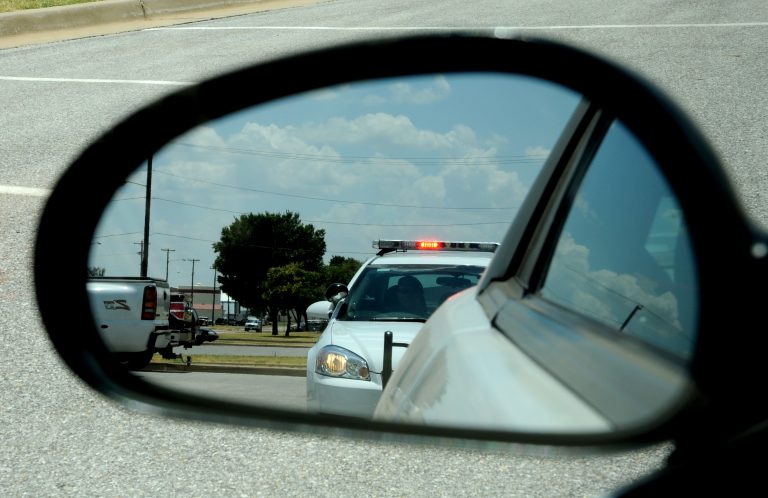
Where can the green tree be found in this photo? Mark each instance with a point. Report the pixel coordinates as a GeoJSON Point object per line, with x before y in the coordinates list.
{"type": "Point", "coordinates": [255, 243]}
{"type": "Point", "coordinates": [292, 289]}
{"type": "Point", "coordinates": [96, 271]}
{"type": "Point", "coordinates": [340, 269]}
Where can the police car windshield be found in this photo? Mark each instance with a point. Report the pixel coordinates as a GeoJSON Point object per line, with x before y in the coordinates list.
{"type": "Point", "coordinates": [405, 292]}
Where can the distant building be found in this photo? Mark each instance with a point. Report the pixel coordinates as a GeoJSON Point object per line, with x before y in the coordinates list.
{"type": "Point", "coordinates": [212, 303]}
{"type": "Point", "coordinates": [206, 300]}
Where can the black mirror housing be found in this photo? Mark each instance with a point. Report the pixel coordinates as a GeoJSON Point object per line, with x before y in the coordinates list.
{"type": "Point", "coordinates": [336, 292]}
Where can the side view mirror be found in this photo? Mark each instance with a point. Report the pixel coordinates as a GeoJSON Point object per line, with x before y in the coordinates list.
{"type": "Point", "coordinates": [604, 317]}
{"type": "Point", "coordinates": [336, 292]}
{"type": "Point", "coordinates": [320, 310]}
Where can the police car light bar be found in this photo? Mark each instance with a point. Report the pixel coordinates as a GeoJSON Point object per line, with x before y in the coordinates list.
{"type": "Point", "coordinates": [434, 245]}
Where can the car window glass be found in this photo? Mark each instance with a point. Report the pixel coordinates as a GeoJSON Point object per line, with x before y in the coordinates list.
{"type": "Point", "coordinates": [624, 256]}
{"type": "Point", "coordinates": [405, 291]}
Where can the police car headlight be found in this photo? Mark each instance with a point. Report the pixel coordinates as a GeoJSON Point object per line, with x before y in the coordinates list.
{"type": "Point", "coordinates": [334, 361]}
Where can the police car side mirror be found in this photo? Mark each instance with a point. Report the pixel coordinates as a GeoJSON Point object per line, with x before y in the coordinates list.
{"type": "Point", "coordinates": [303, 160]}
{"type": "Point", "coordinates": [336, 292]}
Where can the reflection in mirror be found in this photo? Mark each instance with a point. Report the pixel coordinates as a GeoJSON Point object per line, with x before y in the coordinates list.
{"type": "Point", "coordinates": [624, 256]}
{"type": "Point", "coordinates": [604, 345]}
{"type": "Point", "coordinates": [206, 261]}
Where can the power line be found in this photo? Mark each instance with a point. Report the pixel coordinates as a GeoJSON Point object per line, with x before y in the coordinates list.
{"type": "Point", "coordinates": [116, 235]}
{"type": "Point", "coordinates": [325, 199]}
{"type": "Point", "coordinates": [326, 222]}
{"type": "Point", "coordinates": [347, 159]}
{"type": "Point", "coordinates": [168, 252]}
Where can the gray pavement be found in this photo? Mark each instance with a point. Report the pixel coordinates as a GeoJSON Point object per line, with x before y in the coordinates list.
{"type": "Point", "coordinates": [60, 438]}
{"type": "Point", "coordinates": [110, 16]}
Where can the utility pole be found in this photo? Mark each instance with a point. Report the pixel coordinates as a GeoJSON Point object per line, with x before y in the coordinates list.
{"type": "Point", "coordinates": [192, 288]}
{"type": "Point", "coordinates": [213, 299]}
{"type": "Point", "coordinates": [167, 260]}
{"type": "Point", "coordinates": [141, 255]}
{"type": "Point", "coordinates": [147, 206]}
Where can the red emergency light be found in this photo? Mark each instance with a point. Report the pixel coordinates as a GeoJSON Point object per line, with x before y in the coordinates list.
{"type": "Point", "coordinates": [429, 244]}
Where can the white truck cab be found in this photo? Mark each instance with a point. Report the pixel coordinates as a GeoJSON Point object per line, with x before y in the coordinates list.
{"type": "Point", "coordinates": [133, 315]}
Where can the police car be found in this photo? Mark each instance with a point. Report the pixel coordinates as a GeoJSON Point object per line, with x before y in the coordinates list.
{"type": "Point", "coordinates": [379, 313]}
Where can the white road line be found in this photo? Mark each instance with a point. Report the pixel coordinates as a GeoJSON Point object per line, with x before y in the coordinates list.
{"type": "Point", "coordinates": [27, 191]}
{"type": "Point", "coordinates": [100, 81]}
{"type": "Point", "coordinates": [464, 28]}
{"type": "Point", "coordinates": [498, 30]}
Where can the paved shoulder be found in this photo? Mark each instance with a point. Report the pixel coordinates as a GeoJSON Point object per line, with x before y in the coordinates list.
{"type": "Point", "coordinates": [49, 24]}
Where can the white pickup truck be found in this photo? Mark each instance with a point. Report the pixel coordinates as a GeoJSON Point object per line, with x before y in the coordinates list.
{"type": "Point", "coordinates": [133, 317]}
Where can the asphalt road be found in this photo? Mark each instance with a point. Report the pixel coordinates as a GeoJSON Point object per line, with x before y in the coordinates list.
{"type": "Point", "coordinates": [59, 438]}
{"type": "Point", "coordinates": [271, 391]}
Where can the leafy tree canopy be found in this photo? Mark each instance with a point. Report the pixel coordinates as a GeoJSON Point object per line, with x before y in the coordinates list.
{"type": "Point", "coordinates": [340, 270]}
{"type": "Point", "coordinates": [255, 243]}
{"type": "Point", "coordinates": [96, 271]}
{"type": "Point", "coordinates": [286, 285]}
{"type": "Point", "coordinates": [290, 287]}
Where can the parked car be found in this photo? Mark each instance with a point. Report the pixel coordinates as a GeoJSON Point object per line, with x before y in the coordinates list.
{"type": "Point", "coordinates": [205, 334]}
{"type": "Point", "coordinates": [253, 323]}
{"type": "Point", "coordinates": [316, 325]}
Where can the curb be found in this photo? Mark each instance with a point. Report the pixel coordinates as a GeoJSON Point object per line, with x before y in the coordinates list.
{"type": "Point", "coordinates": [103, 12]}
{"type": "Point", "coordinates": [208, 367]}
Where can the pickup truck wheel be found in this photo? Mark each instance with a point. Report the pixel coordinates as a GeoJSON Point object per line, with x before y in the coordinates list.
{"type": "Point", "coordinates": [137, 361]}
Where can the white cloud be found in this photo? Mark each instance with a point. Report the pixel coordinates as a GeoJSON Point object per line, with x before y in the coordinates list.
{"type": "Point", "coordinates": [406, 93]}
{"type": "Point", "coordinates": [374, 100]}
{"type": "Point", "coordinates": [537, 152]}
{"type": "Point", "coordinates": [402, 92]}
{"type": "Point", "coordinates": [385, 162]}
{"type": "Point", "coordinates": [601, 292]}
{"type": "Point", "coordinates": [391, 169]}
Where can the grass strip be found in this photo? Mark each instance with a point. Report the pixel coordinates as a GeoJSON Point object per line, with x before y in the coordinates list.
{"type": "Point", "coordinates": [236, 342]}
{"type": "Point", "coordinates": [249, 361]}
{"type": "Point", "coordinates": [305, 339]}
{"type": "Point", "coordinates": [13, 5]}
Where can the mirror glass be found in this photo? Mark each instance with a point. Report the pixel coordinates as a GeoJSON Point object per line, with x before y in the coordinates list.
{"type": "Point", "coordinates": [624, 256]}
{"type": "Point", "coordinates": [209, 269]}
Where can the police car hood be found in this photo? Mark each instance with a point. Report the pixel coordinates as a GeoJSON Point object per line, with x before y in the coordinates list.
{"type": "Point", "coordinates": [367, 339]}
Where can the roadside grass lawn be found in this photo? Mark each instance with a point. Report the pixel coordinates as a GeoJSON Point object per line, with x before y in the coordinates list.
{"type": "Point", "coordinates": [12, 5]}
{"type": "Point", "coordinates": [265, 338]}
{"type": "Point", "coordinates": [245, 361]}
{"type": "Point", "coordinates": [235, 336]}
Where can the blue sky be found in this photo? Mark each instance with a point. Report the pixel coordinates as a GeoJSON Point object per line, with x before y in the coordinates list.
{"type": "Point", "coordinates": [440, 156]}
